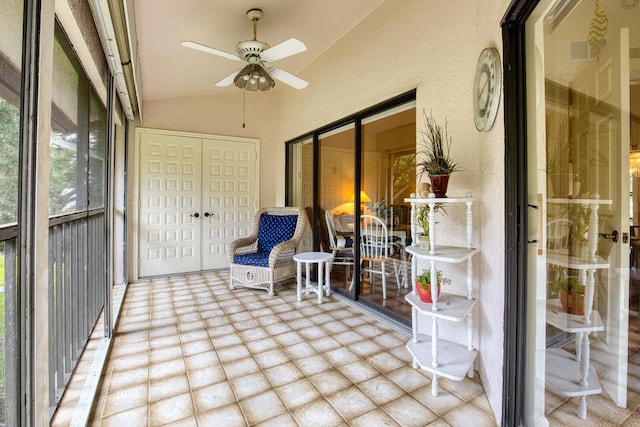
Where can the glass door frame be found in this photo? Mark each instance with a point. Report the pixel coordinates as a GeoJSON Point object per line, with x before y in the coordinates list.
{"type": "Point", "coordinates": [516, 212]}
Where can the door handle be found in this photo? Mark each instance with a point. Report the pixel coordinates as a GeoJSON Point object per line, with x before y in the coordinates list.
{"type": "Point", "coordinates": [613, 236]}
{"type": "Point", "coordinates": [195, 215]}
{"type": "Point", "coordinates": [208, 214]}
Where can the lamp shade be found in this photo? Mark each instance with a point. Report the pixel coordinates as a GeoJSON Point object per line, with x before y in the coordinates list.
{"type": "Point", "coordinates": [364, 198]}
{"type": "Point", "coordinates": [634, 163]}
{"type": "Point", "coordinates": [254, 77]}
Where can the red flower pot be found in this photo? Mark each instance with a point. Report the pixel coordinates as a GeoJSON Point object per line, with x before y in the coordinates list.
{"type": "Point", "coordinates": [425, 294]}
{"type": "Point", "coordinates": [572, 304]}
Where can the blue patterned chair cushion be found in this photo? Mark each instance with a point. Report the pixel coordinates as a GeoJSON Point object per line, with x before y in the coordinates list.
{"type": "Point", "coordinates": [259, 259]}
{"type": "Point", "coordinates": [275, 229]}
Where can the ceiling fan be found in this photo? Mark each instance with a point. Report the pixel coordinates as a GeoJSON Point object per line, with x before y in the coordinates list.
{"type": "Point", "coordinates": [255, 75]}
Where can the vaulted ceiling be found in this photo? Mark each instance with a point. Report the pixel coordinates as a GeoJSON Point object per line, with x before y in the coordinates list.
{"type": "Point", "coordinates": [169, 70]}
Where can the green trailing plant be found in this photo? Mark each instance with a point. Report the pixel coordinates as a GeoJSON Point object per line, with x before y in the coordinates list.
{"type": "Point", "coordinates": [568, 284]}
{"type": "Point", "coordinates": [424, 279]}
{"type": "Point", "coordinates": [437, 146]}
{"type": "Point", "coordinates": [422, 215]}
{"type": "Point", "coordinates": [558, 159]}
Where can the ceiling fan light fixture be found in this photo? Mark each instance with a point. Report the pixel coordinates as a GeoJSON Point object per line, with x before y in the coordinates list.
{"type": "Point", "coordinates": [254, 77]}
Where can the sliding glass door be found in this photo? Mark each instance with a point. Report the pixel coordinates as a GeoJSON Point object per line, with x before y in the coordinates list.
{"type": "Point", "coordinates": [583, 282]}
{"type": "Point", "coordinates": [363, 165]}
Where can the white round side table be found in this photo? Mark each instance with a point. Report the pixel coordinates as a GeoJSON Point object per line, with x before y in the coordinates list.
{"type": "Point", "coordinates": [323, 260]}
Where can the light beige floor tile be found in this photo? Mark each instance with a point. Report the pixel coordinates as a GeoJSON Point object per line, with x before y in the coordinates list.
{"type": "Point", "coordinates": [330, 382]}
{"type": "Point", "coordinates": [408, 412]}
{"type": "Point", "coordinates": [132, 417]}
{"type": "Point", "coordinates": [250, 385]}
{"type": "Point", "coordinates": [441, 404]}
{"type": "Point", "coordinates": [381, 389]}
{"type": "Point", "coordinates": [385, 362]}
{"type": "Point", "coordinates": [288, 338]}
{"type": "Point", "coordinates": [240, 368]}
{"type": "Point", "coordinates": [262, 407]}
{"type": "Point", "coordinates": [165, 341]}
{"type": "Point", "coordinates": [297, 393]}
{"type": "Point", "coordinates": [283, 374]}
{"type": "Point", "coordinates": [194, 335]}
{"type": "Point", "coordinates": [202, 360]}
{"type": "Point", "coordinates": [191, 421]}
{"type": "Point", "coordinates": [465, 390]}
{"type": "Point", "coordinates": [213, 396]}
{"type": "Point", "coordinates": [312, 332]}
{"type": "Point", "coordinates": [348, 337]}
{"type": "Point", "coordinates": [253, 334]}
{"type": "Point", "coordinates": [234, 352]}
{"type": "Point", "coordinates": [359, 371]}
{"type": "Point", "coordinates": [164, 354]}
{"type": "Point", "coordinates": [167, 387]}
{"type": "Point", "coordinates": [325, 344]}
{"type": "Point", "coordinates": [126, 399]}
{"type": "Point", "coordinates": [300, 350]}
{"type": "Point", "coordinates": [284, 420]}
{"type": "Point", "coordinates": [408, 379]}
{"type": "Point", "coordinates": [481, 402]}
{"type": "Point", "coordinates": [272, 358]}
{"type": "Point", "coordinates": [469, 415]}
{"type": "Point", "coordinates": [258, 346]}
{"type": "Point", "coordinates": [228, 340]}
{"type": "Point", "coordinates": [365, 348]}
{"type": "Point", "coordinates": [377, 417]}
{"type": "Point", "coordinates": [197, 347]}
{"type": "Point", "coordinates": [351, 403]}
{"type": "Point", "coordinates": [341, 356]}
{"type": "Point", "coordinates": [206, 376]}
{"type": "Point", "coordinates": [166, 369]}
{"type": "Point", "coordinates": [313, 365]}
{"type": "Point", "coordinates": [228, 416]}
{"type": "Point", "coordinates": [317, 413]}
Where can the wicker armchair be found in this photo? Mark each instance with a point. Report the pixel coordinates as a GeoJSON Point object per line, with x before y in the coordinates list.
{"type": "Point", "coordinates": [266, 256]}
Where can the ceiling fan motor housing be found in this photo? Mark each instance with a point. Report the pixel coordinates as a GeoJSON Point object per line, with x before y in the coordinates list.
{"type": "Point", "coordinates": [250, 50]}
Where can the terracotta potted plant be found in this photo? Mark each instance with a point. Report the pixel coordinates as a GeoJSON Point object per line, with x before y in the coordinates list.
{"type": "Point", "coordinates": [423, 284]}
{"type": "Point", "coordinates": [437, 161]}
{"type": "Point", "coordinates": [571, 293]}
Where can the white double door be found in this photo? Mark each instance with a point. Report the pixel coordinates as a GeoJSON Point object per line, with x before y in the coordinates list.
{"type": "Point", "coordinates": [196, 194]}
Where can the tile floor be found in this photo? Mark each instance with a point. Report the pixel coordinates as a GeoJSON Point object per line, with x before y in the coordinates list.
{"type": "Point", "coordinates": [189, 352]}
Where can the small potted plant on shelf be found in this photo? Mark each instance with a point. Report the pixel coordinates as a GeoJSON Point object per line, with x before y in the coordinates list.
{"type": "Point", "coordinates": [571, 293]}
{"type": "Point", "coordinates": [437, 161]}
{"type": "Point", "coordinates": [563, 180]}
{"type": "Point", "coordinates": [423, 284]}
{"type": "Point", "coordinates": [422, 219]}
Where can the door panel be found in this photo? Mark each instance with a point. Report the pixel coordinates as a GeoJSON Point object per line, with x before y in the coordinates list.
{"type": "Point", "coordinates": [229, 197]}
{"type": "Point", "coordinates": [169, 233]}
{"type": "Point", "coordinates": [196, 195]}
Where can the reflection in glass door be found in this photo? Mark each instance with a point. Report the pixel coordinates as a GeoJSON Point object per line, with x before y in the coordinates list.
{"type": "Point", "coordinates": [388, 176]}
{"type": "Point", "coordinates": [583, 107]}
{"type": "Point", "coordinates": [337, 203]}
{"type": "Point", "coordinates": [364, 166]}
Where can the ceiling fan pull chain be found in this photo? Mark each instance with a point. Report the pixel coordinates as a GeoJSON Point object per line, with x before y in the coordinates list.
{"type": "Point", "coordinates": [244, 104]}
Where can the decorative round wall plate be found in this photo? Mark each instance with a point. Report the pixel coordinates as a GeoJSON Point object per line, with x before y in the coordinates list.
{"type": "Point", "coordinates": [487, 85]}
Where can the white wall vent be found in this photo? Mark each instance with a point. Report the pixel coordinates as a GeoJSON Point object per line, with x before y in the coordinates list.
{"type": "Point", "coordinates": [581, 51]}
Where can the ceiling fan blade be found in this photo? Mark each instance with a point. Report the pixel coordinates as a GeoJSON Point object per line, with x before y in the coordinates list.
{"type": "Point", "coordinates": [228, 81]}
{"type": "Point", "coordinates": [282, 50]}
{"type": "Point", "coordinates": [288, 78]}
{"type": "Point", "coordinates": [207, 49]}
